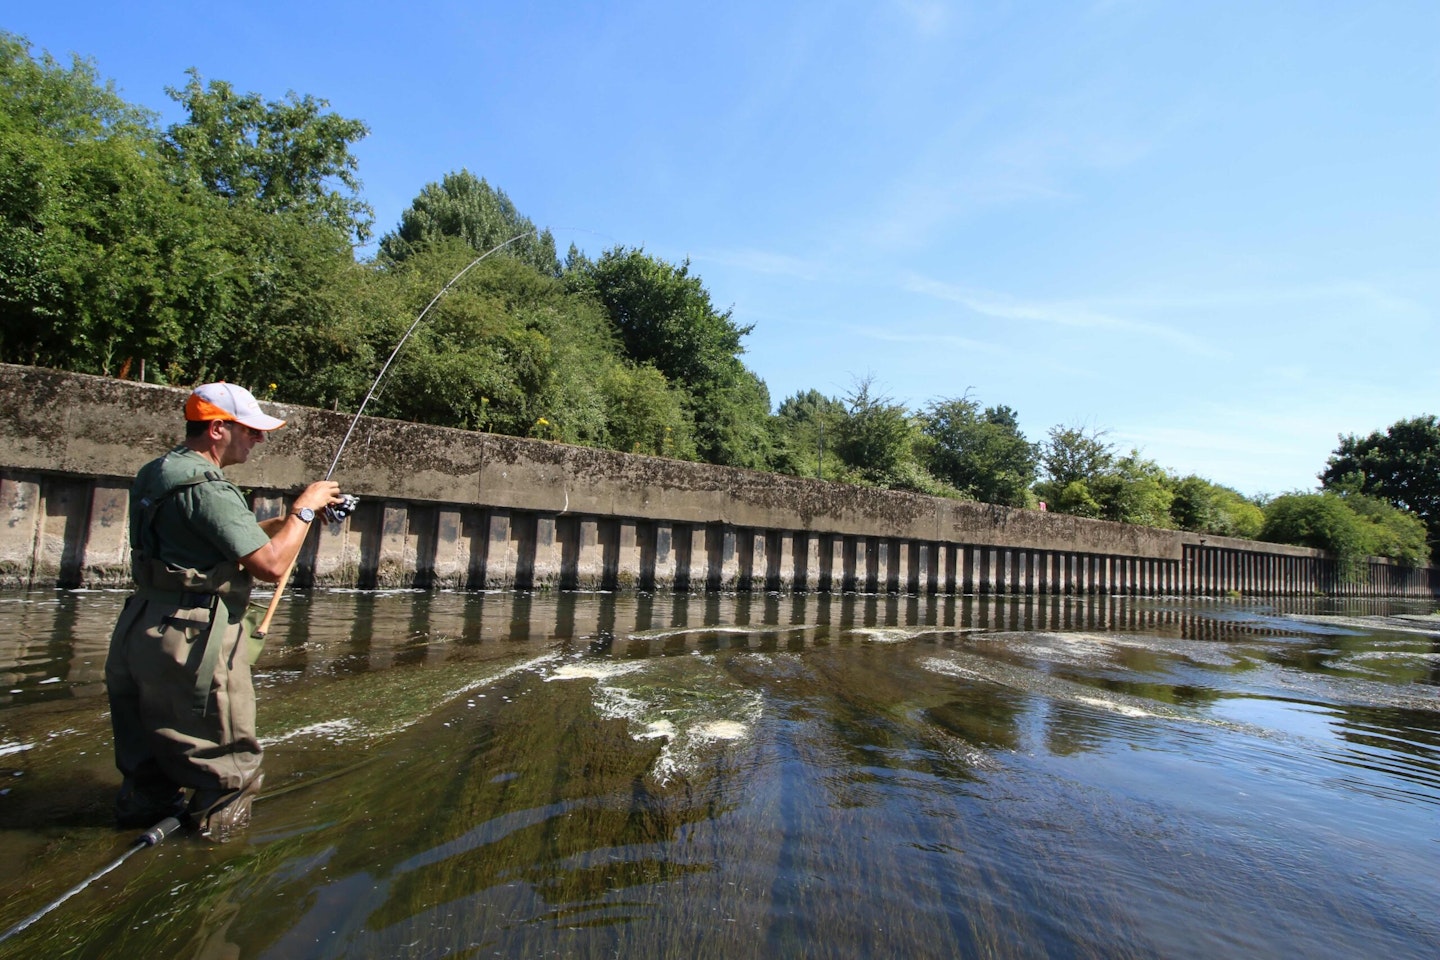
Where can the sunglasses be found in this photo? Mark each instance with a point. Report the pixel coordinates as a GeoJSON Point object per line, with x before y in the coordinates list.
{"type": "Point", "coordinates": [253, 433]}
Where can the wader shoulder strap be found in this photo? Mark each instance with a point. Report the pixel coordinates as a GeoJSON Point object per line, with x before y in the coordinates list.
{"type": "Point", "coordinates": [214, 640]}
{"type": "Point", "coordinates": [150, 506]}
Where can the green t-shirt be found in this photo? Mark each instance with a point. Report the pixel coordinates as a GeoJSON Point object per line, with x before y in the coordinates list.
{"type": "Point", "coordinates": [200, 525]}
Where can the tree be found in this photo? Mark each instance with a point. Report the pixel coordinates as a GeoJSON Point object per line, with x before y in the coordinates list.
{"type": "Point", "coordinates": [1321, 521]}
{"type": "Point", "coordinates": [1073, 460]}
{"type": "Point", "coordinates": [663, 315]}
{"type": "Point", "coordinates": [980, 453]}
{"type": "Point", "coordinates": [103, 262]}
{"type": "Point", "coordinates": [1400, 466]}
{"type": "Point", "coordinates": [1205, 507]}
{"type": "Point", "coordinates": [1393, 533]}
{"type": "Point", "coordinates": [877, 441]}
{"type": "Point", "coordinates": [1134, 490]}
{"type": "Point", "coordinates": [1075, 453]}
{"type": "Point", "coordinates": [806, 427]}
{"type": "Point", "coordinates": [732, 418]}
{"type": "Point", "coordinates": [646, 414]}
{"type": "Point", "coordinates": [281, 156]}
{"type": "Point", "coordinates": [464, 206]}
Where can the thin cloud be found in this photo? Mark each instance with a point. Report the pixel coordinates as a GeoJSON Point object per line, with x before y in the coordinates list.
{"type": "Point", "coordinates": [1055, 313]}
{"type": "Point", "coordinates": [936, 345]}
{"type": "Point", "coordinates": [766, 262]}
{"type": "Point", "coordinates": [930, 18]}
{"type": "Point", "coordinates": [1361, 292]}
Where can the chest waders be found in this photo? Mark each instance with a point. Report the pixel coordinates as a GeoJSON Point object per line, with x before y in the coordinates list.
{"type": "Point", "coordinates": [204, 599]}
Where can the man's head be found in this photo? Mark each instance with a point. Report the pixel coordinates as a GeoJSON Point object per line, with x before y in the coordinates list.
{"type": "Point", "coordinates": [224, 421]}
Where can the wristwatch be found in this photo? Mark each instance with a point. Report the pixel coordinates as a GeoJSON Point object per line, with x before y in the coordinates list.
{"type": "Point", "coordinates": [305, 514]}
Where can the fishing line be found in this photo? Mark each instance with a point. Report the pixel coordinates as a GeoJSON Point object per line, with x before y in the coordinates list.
{"type": "Point", "coordinates": [396, 352]}
{"type": "Point", "coordinates": [264, 627]}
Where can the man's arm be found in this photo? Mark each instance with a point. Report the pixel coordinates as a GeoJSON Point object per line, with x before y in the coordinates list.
{"type": "Point", "coordinates": [287, 533]}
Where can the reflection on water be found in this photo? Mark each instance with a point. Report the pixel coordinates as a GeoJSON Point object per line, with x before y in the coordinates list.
{"type": "Point", "coordinates": [465, 775]}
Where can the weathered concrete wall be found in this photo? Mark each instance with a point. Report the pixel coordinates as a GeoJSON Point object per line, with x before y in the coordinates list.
{"type": "Point", "coordinates": [452, 507]}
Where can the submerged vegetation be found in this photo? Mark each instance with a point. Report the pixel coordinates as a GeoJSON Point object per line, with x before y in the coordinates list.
{"type": "Point", "coordinates": [223, 246]}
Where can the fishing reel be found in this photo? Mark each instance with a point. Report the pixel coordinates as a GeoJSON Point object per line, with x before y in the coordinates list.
{"type": "Point", "coordinates": [337, 512]}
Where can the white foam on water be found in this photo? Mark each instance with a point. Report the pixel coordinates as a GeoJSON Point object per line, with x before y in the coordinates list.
{"type": "Point", "coordinates": [349, 729]}
{"type": "Point", "coordinates": [721, 730]}
{"type": "Point", "coordinates": [334, 730]}
{"type": "Point", "coordinates": [687, 722]}
{"type": "Point", "coordinates": [657, 729]}
{"type": "Point", "coordinates": [14, 746]}
{"type": "Point", "coordinates": [882, 635]}
{"type": "Point", "coordinates": [1124, 709]}
{"type": "Point", "coordinates": [592, 670]}
{"type": "Point", "coordinates": [936, 665]}
{"type": "Point", "coordinates": [969, 755]}
{"type": "Point", "coordinates": [1047, 687]}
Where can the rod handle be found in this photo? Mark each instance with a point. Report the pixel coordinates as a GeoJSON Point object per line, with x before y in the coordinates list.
{"type": "Point", "coordinates": [159, 832]}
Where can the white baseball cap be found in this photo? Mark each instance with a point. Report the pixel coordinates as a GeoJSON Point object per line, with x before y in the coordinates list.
{"type": "Point", "coordinates": [226, 401]}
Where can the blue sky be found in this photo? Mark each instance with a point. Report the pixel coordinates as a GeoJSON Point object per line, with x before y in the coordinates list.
{"type": "Point", "coordinates": [1210, 229]}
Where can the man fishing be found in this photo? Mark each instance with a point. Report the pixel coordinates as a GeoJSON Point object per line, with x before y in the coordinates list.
{"type": "Point", "coordinates": [178, 673]}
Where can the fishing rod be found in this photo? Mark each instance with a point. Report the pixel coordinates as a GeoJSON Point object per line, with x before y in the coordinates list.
{"type": "Point", "coordinates": [162, 830]}
{"type": "Point", "coordinates": [264, 627]}
{"type": "Point", "coordinates": [169, 825]}
{"type": "Point", "coordinates": [149, 838]}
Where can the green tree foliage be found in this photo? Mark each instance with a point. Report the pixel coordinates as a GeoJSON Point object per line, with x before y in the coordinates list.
{"type": "Point", "coordinates": [981, 453]}
{"type": "Point", "coordinates": [806, 427]}
{"type": "Point", "coordinates": [1073, 458]}
{"type": "Point", "coordinates": [281, 156]}
{"type": "Point", "coordinates": [1075, 499]}
{"type": "Point", "coordinates": [464, 206]}
{"type": "Point", "coordinates": [102, 260]}
{"type": "Point", "coordinates": [1352, 527]}
{"type": "Point", "coordinates": [1075, 453]}
{"type": "Point", "coordinates": [1205, 507]}
{"type": "Point", "coordinates": [305, 318]}
{"type": "Point", "coordinates": [663, 317]}
{"type": "Point", "coordinates": [1400, 465]}
{"type": "Point", "coordinates": [505, 349]}
{"type": "Point", "coordinates": [646, 413]}
{"type": "Point", "coordinates": [213, 252]}
{"type": "Point", "coordinates": [1085, 478]}
{"type": "Point", "coordinates": [1134, 490]}
{"type": "Point", "coordinates": [1321, 521]}
{"type": "Point", "coordinates": [878, 440]}
{"type": "Point", "coordinates": [1394, 533]}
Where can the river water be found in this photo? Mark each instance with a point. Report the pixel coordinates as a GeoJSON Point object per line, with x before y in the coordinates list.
{"type": "Point", "coordinates": [594, 775]}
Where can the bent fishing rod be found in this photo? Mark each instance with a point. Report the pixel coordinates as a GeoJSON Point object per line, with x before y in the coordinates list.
{"type": "Point", "coordinates": [264, 627]}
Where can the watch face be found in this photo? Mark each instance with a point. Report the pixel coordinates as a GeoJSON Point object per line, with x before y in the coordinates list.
{"type": "Point", "coordinates": [306, 514]}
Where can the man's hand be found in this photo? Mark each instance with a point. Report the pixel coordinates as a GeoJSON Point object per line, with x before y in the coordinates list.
{"type": "Point", "coordinates": [318, 496]}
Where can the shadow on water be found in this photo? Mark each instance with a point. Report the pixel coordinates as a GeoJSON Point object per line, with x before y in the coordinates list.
{"type": "Point", "coordinates": [708, 775]}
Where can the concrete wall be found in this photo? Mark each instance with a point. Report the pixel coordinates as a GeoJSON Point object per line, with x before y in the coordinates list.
{"type": "Point", "coordinates": [454, 508]}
